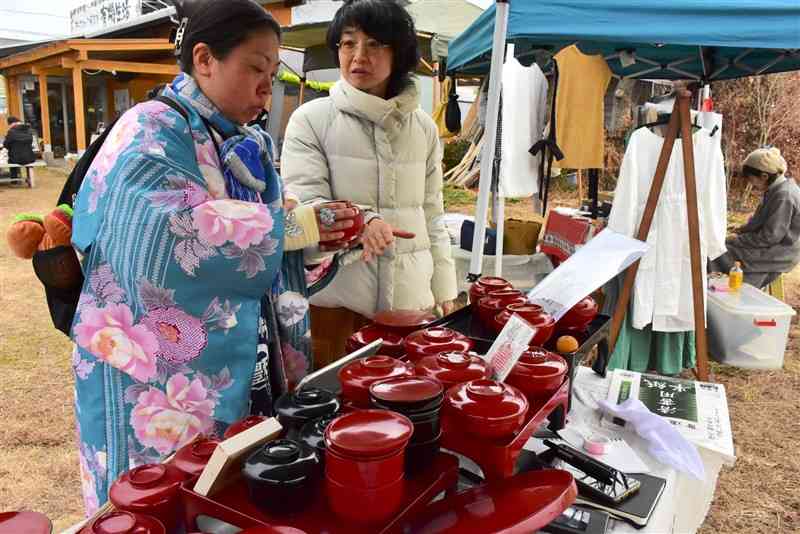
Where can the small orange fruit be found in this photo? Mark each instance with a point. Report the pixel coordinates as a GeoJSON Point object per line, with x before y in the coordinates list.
{"type": "Point", "coordinates": [567, 344]}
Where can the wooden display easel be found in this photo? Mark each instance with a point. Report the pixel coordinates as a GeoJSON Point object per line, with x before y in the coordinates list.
{"type": "Point", "coordinates": [680, 119]}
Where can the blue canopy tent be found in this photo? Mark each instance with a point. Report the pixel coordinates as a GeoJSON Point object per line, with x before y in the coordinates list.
{"type": "Point", "coordinates": [697, 40]}
{"type": "Point", "coordinates": [669, 39]}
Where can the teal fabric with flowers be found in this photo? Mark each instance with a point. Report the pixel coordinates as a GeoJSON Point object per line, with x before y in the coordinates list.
{"type": "Point", "coordinates": [177, 272]}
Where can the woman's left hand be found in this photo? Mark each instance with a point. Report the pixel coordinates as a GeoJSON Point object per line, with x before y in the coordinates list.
{"type": "Point", "coordinates": [378, 236]}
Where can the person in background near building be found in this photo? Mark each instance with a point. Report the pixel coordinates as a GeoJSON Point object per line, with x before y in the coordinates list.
{"type": "Point", "coordinates": [769, 244]}
{"type": "Point", "coordinates": [19, 143]}
{"type": "Point", "coordinates": [370, 142]}
{"type": "Point", "coordinates": [192, 314]}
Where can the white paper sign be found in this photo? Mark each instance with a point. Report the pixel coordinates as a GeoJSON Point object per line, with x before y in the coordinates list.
{"type": "Point", "coordinates": [512, 341]}
{"type": "Point", "coordinates": [594, 264]}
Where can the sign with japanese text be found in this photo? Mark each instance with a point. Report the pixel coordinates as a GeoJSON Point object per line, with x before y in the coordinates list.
{"type": "Point", "coordinates": [99, 14]}
{"type": "Point", "coordinates": [506, 350]}
{"type": "Point", "coordinates": [698, 410]}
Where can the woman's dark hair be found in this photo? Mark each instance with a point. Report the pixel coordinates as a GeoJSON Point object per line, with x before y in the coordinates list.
{"type": "Point", "coordinates": [12, 119]}
{"type": "Point", "coordinates": [222, 25]}
{"type": "Point", "coordinates": [386, 22]}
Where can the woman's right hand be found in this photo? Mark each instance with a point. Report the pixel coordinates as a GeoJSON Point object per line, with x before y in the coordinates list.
{"type": "Point", "coordinates": [343, 219]}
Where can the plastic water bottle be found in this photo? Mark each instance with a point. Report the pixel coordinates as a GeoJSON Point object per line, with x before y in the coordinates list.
{"type": "Point", "coordinates": [735, 277]}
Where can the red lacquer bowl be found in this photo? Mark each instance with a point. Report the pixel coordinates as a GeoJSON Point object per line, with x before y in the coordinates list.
{"type": "Point", "coordinates": [538, 374]}
{"type": "Point", "coordinates": [403, 322]}
{"type": "Point", "coordinates": [392, 341]}
{"type": "Point", "coordinates": [357, 376]}
{"type": "Point", "coordinates": [150, 489]}
{"type": "Point", "coordinates": [485, 285]}
{"type": "Point", "coordinates": [535, 315]}
{"type": "Point", "coordinates": [351, 232]}
{"type": "Point", "coordinates": [243, 424]}
{"type": "Point", "coordinates": [487, 408]}
{"type": "Point", "coordinates": [435, 340]}
{"type": "Point", "coordinates": [494, 303]}
{"type": "Point", "coordinates": [451, 368]}
{"type": "Point", "coordinates": [119, 521]}
{"type": "Point", "coordinates": [193, 457]}
{"type": "Point", "coordinates": [579, 316]}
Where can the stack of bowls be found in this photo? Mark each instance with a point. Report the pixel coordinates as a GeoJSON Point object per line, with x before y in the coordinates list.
{"type": "Point", "coordinates": [296, 408]}
{"type": "Point", "coordinates": [364, 464]}
{"type": "Point", "coordinates": [484, 286]}
{"type": "Point", "coordinates": [313, 434]}
{"type": "Point", "coordinates": [419, 399]}
{"type": "Point", "coordinates": [282, 476]}
{"type": "Point", "coordinates": [150, 489]}
{"type": "Point", "coordinates": [356, 377]}
{"type": "Point", "coordinates": [496, 302]}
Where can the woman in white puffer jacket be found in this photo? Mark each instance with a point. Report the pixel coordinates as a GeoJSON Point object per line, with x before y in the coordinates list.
{"type": "Point", "coordinates": [369, 142]}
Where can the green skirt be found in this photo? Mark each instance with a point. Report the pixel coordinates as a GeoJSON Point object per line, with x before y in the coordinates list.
{"type": "Point", "coordinates": [667, 353]}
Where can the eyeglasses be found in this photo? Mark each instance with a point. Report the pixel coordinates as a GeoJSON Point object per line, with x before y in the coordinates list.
{"type": "Point", "coordinates": [371, 46]}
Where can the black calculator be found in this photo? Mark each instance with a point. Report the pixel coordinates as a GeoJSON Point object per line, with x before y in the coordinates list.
{"type": "Point", "coordinates": [579, 520]}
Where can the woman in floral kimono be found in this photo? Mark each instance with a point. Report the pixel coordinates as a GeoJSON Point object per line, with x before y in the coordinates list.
{"type": "Point", "coordinates": [185, 321]}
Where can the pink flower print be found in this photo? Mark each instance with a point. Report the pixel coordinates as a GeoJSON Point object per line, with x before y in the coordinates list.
{"type": "Point", "coordinates": [168, 420]}
{"type": "Point", "coordinates": [90, 501]}
{"type": "Point", "coordinates": [110, 335]}
{"type": "Point", "coordinates": [181, 337]}
{"type": "Point", "coordinates": [295, 363]}
{"type": "Point", "coordinates": [220, 221]}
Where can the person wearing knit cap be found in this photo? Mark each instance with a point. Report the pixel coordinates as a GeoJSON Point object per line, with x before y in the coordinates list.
{"type": "Point", "coordinates": [769, 244]}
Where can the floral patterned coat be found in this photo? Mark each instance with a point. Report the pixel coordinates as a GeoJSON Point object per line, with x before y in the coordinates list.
{"type": "Point", "coordinates": [167, 328]}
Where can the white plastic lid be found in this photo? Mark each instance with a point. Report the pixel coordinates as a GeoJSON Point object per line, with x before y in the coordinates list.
{"type": "Point", "coordinates": [750, 300]}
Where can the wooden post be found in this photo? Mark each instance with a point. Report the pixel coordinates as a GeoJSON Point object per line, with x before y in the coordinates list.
{"type": "Point", "coordinates": [45, 108]}
{"type": "Point", "coordinates": [679, 119]}
{"type": "Point", "coordinates": [80, 122]}
{"type": "Point", "coordinates": [12, 97]}
{"type": "Point", "coordinates": [437, 87]}
{"type": "Point", "coordinates": [302, 92]}
{"type": "Point", "coordinates": [698, 291]}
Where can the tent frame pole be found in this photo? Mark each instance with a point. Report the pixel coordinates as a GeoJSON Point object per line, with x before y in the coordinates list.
{"type": "Point", "coordinates": [680, 120]}
{"type": "Point", "coordinates": [490, 139]}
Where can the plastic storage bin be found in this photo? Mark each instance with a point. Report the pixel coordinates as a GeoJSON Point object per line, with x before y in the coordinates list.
{"type": "Point", "coordinates": [748, 328]}
{"type": "Point", "coordinates": [523, 272]}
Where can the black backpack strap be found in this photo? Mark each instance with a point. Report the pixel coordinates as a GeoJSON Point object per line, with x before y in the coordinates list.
{"type": "Point", "coordinates": [177, 107]}
{"type": "Point", "coordinates": [174, 105]}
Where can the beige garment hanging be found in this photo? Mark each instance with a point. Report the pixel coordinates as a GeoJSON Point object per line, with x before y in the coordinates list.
{"type": "Point", "coordinates": [582, 83]}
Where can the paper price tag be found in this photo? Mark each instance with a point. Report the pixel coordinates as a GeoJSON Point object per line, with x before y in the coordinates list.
{"type": "Point", "coordinates": [512, 341]}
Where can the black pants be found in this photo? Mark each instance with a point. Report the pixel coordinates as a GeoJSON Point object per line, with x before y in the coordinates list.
{"type": "Point", "coordinates": [14, 171]}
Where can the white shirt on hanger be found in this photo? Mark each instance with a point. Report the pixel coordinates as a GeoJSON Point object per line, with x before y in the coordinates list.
{"type": "Point", "coordinates": [663, 289]}
{"type": "Point", "coordinates": [524, 113]}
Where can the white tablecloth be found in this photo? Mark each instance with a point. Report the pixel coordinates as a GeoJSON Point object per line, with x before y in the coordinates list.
{"type": "Point", "coordinates": [685, 502]}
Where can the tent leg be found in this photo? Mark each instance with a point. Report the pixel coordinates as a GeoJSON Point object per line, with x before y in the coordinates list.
{"type": "Point", "coordinates": [490, 139]}
{"type": "Point", "coordinates": [594, 191]}
{"type": "Point", "coordinates": [644, 228]}
{"type": "Point", "coordinates": [500, 224]}
{"type": "Point", "coordinates": [698, 298]}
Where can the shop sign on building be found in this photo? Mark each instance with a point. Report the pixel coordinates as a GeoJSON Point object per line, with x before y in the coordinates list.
{"type": "Point", "coordinates": [99, 14]}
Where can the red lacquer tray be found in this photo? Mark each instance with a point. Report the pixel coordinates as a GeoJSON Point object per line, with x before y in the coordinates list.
{"type": "Point", "coordinates": [498, 459]}
{"type": "Point", "coordinates": [232, 505]}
